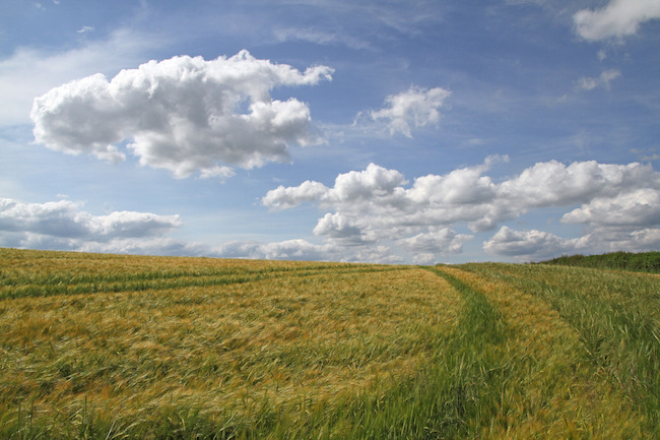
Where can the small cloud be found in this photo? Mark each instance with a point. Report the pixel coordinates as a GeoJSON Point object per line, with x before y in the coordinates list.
{"type": "Point", "coordinates": [475, 142]}
{"type": "Point", "coordinates": [590, 83]}
{"type": "Point", "coordinates": [285, 198]}
{"type": "Point", "coordinates": [223, 173]}
{"type": "Point", "coordinates": [85, 29]}
{"type": "Point", "coordinates": [319, 37]}
{"type": "Point", "coordinates": [646, 155]}
{"type": "Point", "coordinates": [620, 18]}
{"type": "Point", "coordinates": [416, 106]}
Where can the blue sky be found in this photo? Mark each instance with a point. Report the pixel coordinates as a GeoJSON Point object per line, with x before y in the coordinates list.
{"type": "Point", "coordinates": [389, 131]}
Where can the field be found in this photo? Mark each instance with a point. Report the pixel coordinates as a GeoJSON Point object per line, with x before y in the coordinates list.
{"type": "Point", "coordinates": [123, 347]}
{"type": "Point", "coordinates": [641, 262]}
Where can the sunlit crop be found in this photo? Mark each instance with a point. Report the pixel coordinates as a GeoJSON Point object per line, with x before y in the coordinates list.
{"type": "Point", "coordinates": [106, 346]}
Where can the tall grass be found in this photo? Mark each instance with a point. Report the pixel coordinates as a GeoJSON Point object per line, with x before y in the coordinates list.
{"type": "Point", "coordinates": [537, 385]}
{"type": "Point", "coordinates": [288, 350]}
{"type": "Point", "coordinates": [120, 347]}
{"type": "Point", "coordinates": [617, 318]}
{"type": "Point", "coordinates": [62, 273]}
{"type": "Point", "coordinates": [642, 262]}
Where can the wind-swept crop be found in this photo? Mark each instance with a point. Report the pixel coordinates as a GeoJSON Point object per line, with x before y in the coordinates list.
{"type": "Point", "coordinates": [124, 347]}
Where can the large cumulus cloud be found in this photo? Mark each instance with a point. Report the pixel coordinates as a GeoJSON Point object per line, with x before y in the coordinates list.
{"type": "Point", "coordinates": [182, 114]}
{"type": "Point", "coordinates": [617, 204]}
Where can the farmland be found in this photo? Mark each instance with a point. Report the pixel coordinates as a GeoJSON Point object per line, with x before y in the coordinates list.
{"type": "Point", "coordinates": [640, 262]}
{"type": "Point", "coordinates": [108, 347]}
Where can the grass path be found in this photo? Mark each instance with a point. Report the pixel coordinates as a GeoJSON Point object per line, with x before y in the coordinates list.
{"type": "Point", "coordinates": [616, 316]}
{"type": "Point", "coordinates": [538, 381]}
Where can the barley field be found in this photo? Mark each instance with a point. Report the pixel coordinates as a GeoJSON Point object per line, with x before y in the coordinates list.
{"type": "Point", "coordinates": [123, 347]}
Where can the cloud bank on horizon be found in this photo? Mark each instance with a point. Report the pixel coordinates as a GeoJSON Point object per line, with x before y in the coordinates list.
{"type": "Point", "coordinates": [424, 146]}
{"type": "Point", "coordinates": [618, 206]}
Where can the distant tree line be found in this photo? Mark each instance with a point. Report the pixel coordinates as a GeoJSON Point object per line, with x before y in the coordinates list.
{"type": "Point", "coordinates": [640, 262]}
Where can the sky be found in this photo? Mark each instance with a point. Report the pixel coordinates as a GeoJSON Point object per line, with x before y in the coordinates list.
{"type": "Point", "coordinates": [413, 132]}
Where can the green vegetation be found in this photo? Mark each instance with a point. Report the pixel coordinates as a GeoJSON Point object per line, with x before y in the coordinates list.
{"type": "Point", "coordinates": [643, 262]}
{"type": "Point", "coordinates": [124, 347]}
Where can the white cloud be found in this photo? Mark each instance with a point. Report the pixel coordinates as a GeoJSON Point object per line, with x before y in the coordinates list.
{"type": "Point", "coordinates": [301, 250]}
{"type": "Point", "coordinates": [182, 114]}
{"type": "Point", "coordinates": [639, 207]}
{"type": "Point", "coordinates": [538, 245]}
{"type": "Point", "coordinates": [221, 172]}
{"type": "Point", "coordinates": [378, 206]}
{"type": "Point", "coordinates": [555, 184]}
{"type": "Point", "coordinates": [283, 198]}
{"type": "Point", "coordinates": [424, 258]}
{"type": "Point", "coordinates": [417, 107]}
{"type": "Point", "coordinates": [373, 254]}
{"type": "Point", "coordinates": [444, 241]}
{"type": "Point", "coordinates": [29, 73]}
{"type": "Point", "coordinates": [374, 206]}
{"type": "Point", "coordinates": [530, 244]}
{"type": "Point", "coordinates": [620, 18]}
{"type": "Point", "coordinates": [643, 240]}
{"type": "Point", "coordinates": [64, 223]}
{"type": "Point", "coordinates": [342, 229]}
{"type": "Point", "coordinates": [286, 250]}
{"type": "Point", "coordinates": [376, 215]}
{"type": "Point", "coordinates": [317, 36]}
{"type": "Point", "coordinates": [373, 184]}
{"type": "Point", "coordinates": [589, 83]}
{"type": "Point", "coordinates": [403, 17]}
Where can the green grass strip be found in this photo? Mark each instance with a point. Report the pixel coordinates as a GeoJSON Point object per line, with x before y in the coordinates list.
{"type": "Point", "coordinates": [640, 262]}
{"type": "Point", "coordinates": [616, 315]}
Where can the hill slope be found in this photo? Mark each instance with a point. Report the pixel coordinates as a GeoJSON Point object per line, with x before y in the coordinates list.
{"type": "Point", "coordinates": [105, 346]}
